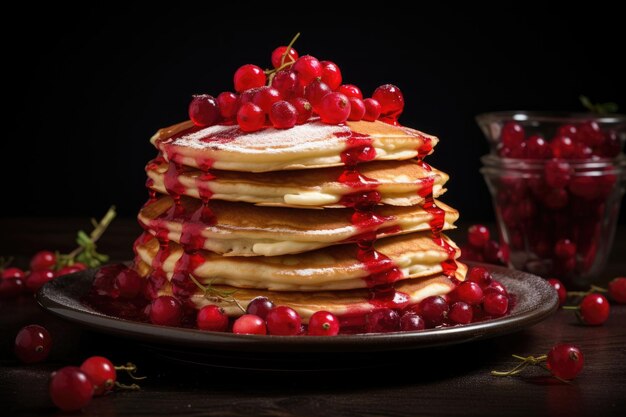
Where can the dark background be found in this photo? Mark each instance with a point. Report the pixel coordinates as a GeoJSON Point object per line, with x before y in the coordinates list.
{"type": "Point", "coordinates": [87, 93]}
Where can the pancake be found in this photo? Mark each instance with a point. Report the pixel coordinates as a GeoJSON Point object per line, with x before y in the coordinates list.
{"type": "Point", "coordinates": [311, 145]}
{"type": "Point", "coordinates": [400, 183]}
{"type": "Point", "coordinates": [241, 229]}
{"type": "Point", "coordinates": [340, 303]}
{"type": "Point", "coordinates": [332, 268]}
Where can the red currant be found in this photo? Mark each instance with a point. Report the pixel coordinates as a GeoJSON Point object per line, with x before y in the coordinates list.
{"type": "Point", "coordinates": [569, 130]}
{"type": "Point", "coordinates": [611, 146]}
{"type": "Point", "coordinates": [331, 75]}
{"type": "Point", "coordinates": [565, 361]}
{"type": "Point", "coordinates": [538, 148]}
{"type": "Point", "coordinates": [285, 82]}
{"type": "Point", "coordinates": [203, 110]}
{"type": "Point", "coordinates": [617, 290]}
{"type": "Point", "coordinates": [323, 323]}
{"type": "Point", "coordinates": [492, 251]}
{"type": "Point", "coordinates": [283, 115]}
{"type": "Point", "coordinates": [101, 373]}
{"type": "Point", "coordinates": [283, 321]}
{"type": "Point", "coordinates": [590, 134]}
{"type": "Point", "coordinates": [479, 275]}
{"type": "Point", "coordinates": [212, 318]}
{"type": "Point", "coordinates": [495, 286]}
{"type": "Point", "coordinates": [563, 147]}
{"type": "Point", "coordinates": [248, 76]}
{"type": "Point", "coordinates": [582, 151]}
{"type": "Point", "coordinates": [594, 309]}
{"type": "Point", "coordinates": [265, 97]}
{"type": "Point", "coordinates": [461, 313]}
{"type": "Point", "coordinates": [250, 117]}
{"type": "Point", "coordinates": [12, 273]}
{"type": "Point", "coordinates": [557, 173]}
{"type": "Point", "coordinates": [260, 306]}
{"type": "Point", "coordinates": [478, 235]}
{"type": "Point", "coordinates": [70, 389]}
{"type": "Point", "coordinates": [32, 344]}
{"type": "Point", "coordinates": [228, 104]}
{"type": "Point", "coordinates": [303, 108]}
{"type": "Point", "coordinates": [512, 135]}
{"type": "Point", "coordinates": [129, 283]}
{"type": "Point", "coordinates": [249, 324]}
{"type": "Point", "coordinates": [357, 109]}
{"type": "Point", "coordinates": [468, 292]}
{"type": "Point", "coordinates": [560, 290]}
{"type": "Point", "coordinates": [166, 310]}
{"type": "Point", "coordinates": [350, 90]}
{"type": "Point", "coordinates": [11, 287]}
{"type": "Point", "coordinates": [307, 68]}
{"type": "Point", "coordinates": [334, 108]}
{"type": "Point", "coordinates": [434, 310]}
{"type": "Point", "coordinates": [411, 321]}
{"type": "Point", "coordinates": [391, 101]}
{"type": "Point", "coordinates": [43, 260]}
{"type": "Point", "coordinates": [280, 57]}
{"type": "Point", "coordinates": [495, 304]}
{"type": "Point", "coordinates": [565, 249]}
{"type": "Point", "coordinates": [38, 278]}
{"type": "Point", "coordinates": [382, 321]}
{"type": "Point", "coordinates": [315, 92]}
{"type": "Point", "coordinates": [372, 110]}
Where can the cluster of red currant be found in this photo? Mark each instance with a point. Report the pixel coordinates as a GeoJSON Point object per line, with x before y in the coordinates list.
{"type": "Point", "coordinates": [296, 89]}
{"type": "Point", "coordinates": [593, 308]}
{"type": "Point", "coordinates": [71, 388]}
{"type": "Point", "coordinates": [481, 248]}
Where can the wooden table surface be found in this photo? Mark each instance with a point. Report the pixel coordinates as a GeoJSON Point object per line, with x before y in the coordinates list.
{"type": "Point", "coordinates": [444, 381]}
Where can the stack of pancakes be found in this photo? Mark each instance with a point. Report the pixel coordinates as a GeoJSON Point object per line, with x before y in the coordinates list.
{"type": "Point", "coordinates": [316, 217]}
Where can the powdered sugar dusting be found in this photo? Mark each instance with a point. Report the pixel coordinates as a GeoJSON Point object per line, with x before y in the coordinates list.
{"type": "Point", "coordinates": [232, 139]}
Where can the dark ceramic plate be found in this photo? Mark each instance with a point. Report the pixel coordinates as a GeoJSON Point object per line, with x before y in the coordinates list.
{"type": "Point", "coordinates": [535, 300]}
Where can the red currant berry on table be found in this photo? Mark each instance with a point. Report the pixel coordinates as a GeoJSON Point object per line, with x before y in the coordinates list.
{"type": "Point", "coordinates": [32, 344]}
{"type": "Point", "coordinates": [594, 309]}
{"type": "Point", "coordinates": [372, 110]}
{"type": "Point", "coordinates": [248, 76]}
{"type": "Point", "coordinates": [129, 283]}
{"type": "Point", "coordinates": [565, 249]}
{"type": "Point", "coordinates": [350, 90]}
{"type": "Point", "coordinates": [283, 321]}
{"type": "Point", "coordinates": [560, 290]}
{"type": "Point", "coordinates": [260, 306]}
{"type": "Point", "coordinates": [478, 235]}
{"type": "Point", "coordinates": [280, 56]}
{"type": "Point", "coordinates": [37, 279]}
{"type": "Point", "coordinates": [323, 323]}
{"type": "Point", "coordinates": [11, 287]}
{"type": "Point", "coordinates": [434, 310]}
{"type": "Point", "coordinates": [285, 82]}
{"type": "Point", "coordinates": [495, 304]}
{"type": "Point", "coordinates": [331, 75]}
{"type": "Point", "coordinates": [357, 109]}
{"type": "Point", "coordinates": [411, 322]}
{"type": "Point", "coordinates": [382, 321]}
{"type": "Point", "coordinates": [617, 290]}
{"type": "Point", "coordinates": [70, 389]}
{"type": "Point", "coordinates": [391, 101]}
{"type": "Point", "coordinates": [307, 68]}
{"type": "Point", "coordinates": [468, 292]}
{"type": "Point", "coordinates": [334, 108]}
{"type": "Point", "coordinates": [303, 108]}
{"type": "Point", "coordinates": [512, 135]}
{"type": "Point", "coordinates": [43, 260]}
{"type": "Point", "coordinates": [461, 313]}
{"type": "Point", "coordinates": [265, 97]}
{"type": "Point", "coordinates": [212, 318]}
{"type": "Point", "coordinates": [166, 310]}
{"type": "Point", "coordinates": [12, 273]}
{"type": "Point", "coordinates": [315, 92]}
{"type": "Point", "coordinates": [227, 103]}
{"type": "Point", "coordinates": [565, 361]}
{"type": "Point", "coordinates": [101, 372]}
{"type": "Point", "coordinates": [480, 275]}
{"type": "Point", "coordinates": [203, 110]}
{"type": "Point", "coordinates": [283, 115]}
{"type": "Point", "coordinates": [250, 117]}
{"type": "Point", "coordinates": [249, 324]}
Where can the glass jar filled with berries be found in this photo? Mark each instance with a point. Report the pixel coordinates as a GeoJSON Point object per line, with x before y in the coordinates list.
{"type": "Point", "coordinates": [557, 181]}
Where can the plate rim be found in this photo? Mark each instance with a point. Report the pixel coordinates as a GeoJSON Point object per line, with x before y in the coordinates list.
{"type": "Point", "coordinates": [194, 338]}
